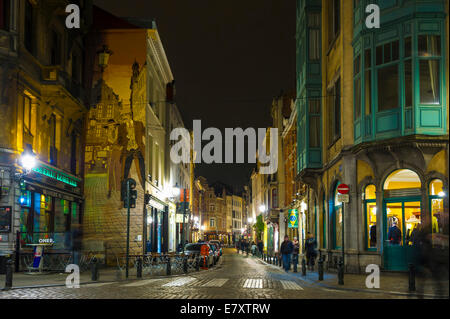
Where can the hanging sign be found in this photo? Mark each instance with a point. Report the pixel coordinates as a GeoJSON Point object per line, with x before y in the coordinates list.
{"type": "Point", "coordinates": [293, 218]}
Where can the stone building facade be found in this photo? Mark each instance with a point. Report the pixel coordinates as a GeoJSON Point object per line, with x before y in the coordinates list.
{"type": "Point", "coordinates": [42, 109]}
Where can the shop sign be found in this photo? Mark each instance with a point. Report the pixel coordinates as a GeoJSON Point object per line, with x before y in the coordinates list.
{"type": "Point", "coordinates": [293, 218]}
{"type": "Point", "coordinates": [49, 172]}
{"type": "Point", "coordinates": [156, 204]}
{"type": "Point", "coordinates": [343, 198]}
{"type": "Point", "coordinates": [179, 218]}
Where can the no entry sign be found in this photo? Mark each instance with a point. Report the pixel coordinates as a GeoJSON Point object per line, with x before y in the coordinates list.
{"type": "Point", "coordinates": [343, 189]}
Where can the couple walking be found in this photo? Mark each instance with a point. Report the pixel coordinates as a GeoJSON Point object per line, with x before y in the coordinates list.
{"type": "Point", "coordinates": [289, 248]}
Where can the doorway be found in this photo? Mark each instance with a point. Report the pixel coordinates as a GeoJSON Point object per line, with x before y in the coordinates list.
{"type": "Point", "coordinates": [402, 216]}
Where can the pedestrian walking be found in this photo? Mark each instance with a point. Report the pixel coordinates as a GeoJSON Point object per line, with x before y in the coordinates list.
{"type": "Point", "coordinates": [254, 248]}
{"type": "Point", "coordinates": [286, 250]}
{"type": "Point", "coordinates": [296, 251]}
{"type": "Point", "coordinates": [76, 243]}
{"type": "Point", "coordinates": [311, 254]}
{"type": "Point", "coordinates": [260, 247]}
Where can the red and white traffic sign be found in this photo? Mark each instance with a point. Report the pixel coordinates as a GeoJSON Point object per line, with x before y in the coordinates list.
{"type": "Point", "coordinates": [343, 189]}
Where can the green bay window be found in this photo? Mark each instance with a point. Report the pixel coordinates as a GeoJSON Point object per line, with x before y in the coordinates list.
{"type": "Point", "coordinates": [387, 56]}
{"type": "Point", "coordinates": [357, 72]}
{"type": "Point", "coordinates": [429, 50]}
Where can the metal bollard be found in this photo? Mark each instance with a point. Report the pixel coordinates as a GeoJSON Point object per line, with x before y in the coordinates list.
{"type": "Point", "coordinates": [295, 262]}
{"type": "Point", "coordinates": [185, 265]}
{"type": "Point", "coordinates": [197, 263]}
{"type": "Point", "coordinates": [9, 274]}
{"type": "Point", "coordinates": [341, 272]}
{"type": "Point", "coordinates": [412, 277]}
{"type": "Point", "coordinates": [94, 269]}
{"type": "Point", "coordinates": [169, 269]}
{"type": "Point", "coordinates": [320, 268]}
{"type": "Point", "coordinates": [303, 267]}
{"type": "Point", "coordinates": [139, 268]}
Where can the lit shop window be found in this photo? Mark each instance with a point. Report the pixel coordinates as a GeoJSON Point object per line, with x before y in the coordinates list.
{"type": "Point", "coordinates": [438, 216]}
{"type": "Point", "coordinates": [370, 205]}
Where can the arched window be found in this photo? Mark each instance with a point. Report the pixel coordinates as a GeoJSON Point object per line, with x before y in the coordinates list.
{"type": "Point", "coordinates": [370, 205]}
{"type": "Point", "coordinates": [438, 217]}
{"type": "Point", "coordinates": [336, 217]}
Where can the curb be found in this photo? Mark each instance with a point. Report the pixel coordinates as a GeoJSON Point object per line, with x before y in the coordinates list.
{"type": "Point", "coordinates": [409, 294]}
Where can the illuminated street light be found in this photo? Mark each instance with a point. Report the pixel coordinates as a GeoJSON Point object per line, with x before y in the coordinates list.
{"type": "Point", "coordinates": [195, 219]}
{"type": "Point", "coordinates": [262, 208]}
{"type": "Point", "coordinates": [441, 194]}
{"type": "Point", "coordinates": [28, 161]}
{"type": "Point", "coordinates": [250, 220]}
{"type": "Point", "coordinates": [149, 220]}
{"type": "Point", "coordinates": [203, 227]}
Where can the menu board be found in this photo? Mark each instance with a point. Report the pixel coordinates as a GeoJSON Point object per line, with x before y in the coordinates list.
{"type": "Point", "coordinates": [5, 219]}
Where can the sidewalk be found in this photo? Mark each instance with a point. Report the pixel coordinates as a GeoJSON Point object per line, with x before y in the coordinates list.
{"type": "Point", "coordinates": [390, 282]}
{"type": "Point", "coordinates": [111, 274]}
{"type": "Point", "coordinates": [25, 280]}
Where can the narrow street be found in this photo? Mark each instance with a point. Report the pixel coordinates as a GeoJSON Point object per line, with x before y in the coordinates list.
{"type": "Point", "coordinates": [235, 277]}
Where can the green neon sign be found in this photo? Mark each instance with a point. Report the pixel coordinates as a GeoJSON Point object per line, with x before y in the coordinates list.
{"type": "Point", "coordinates": [47, 171]}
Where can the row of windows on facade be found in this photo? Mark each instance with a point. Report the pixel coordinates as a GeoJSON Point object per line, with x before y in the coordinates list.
{"type": "Point", "coordinates": [30, 132]}
{"type": "Point", "coordinates": [386, 66]}
{"type": "Point", "coordinates": [55, 38]}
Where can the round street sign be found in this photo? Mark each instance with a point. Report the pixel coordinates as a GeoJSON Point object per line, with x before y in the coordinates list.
{"type": "Point", "coordinates": [343, 189]}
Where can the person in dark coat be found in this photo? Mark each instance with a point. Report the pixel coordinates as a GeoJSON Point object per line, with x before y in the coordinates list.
{"type": "Point", "coordinates": [395, 234]}
{"type": "Point", "coordinates": [311, 254]}
{"type": "Point", "coordinates": [77, 237]}
{"type": "Point", "coordinates": [286, 250]}
{"type": "Point", "coordinates": [260, 247]}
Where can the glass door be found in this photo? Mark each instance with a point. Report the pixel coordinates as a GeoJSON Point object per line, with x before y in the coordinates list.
{"type": "Point", "coordinates": [402, 218]}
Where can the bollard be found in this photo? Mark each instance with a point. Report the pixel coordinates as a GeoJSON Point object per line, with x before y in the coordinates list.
{"type": "Point", "coordinates": [139, 268]}
{"type": "Point", "coordinates": [9, 274]}
{"type": "Point", "coordinates": [280, 262]}
{"type": "Point", "coordinates": [295, 262]}
{"type": "Point", "coordinates": [320, 268]}
{"type": "Point", "coordinates": [185, 265]}
{"type": "Point", "coordinates": [94, 269]}
{"type": "Point", "coordinates": [341, 272]}
{"type": "Point", "coordinates": [412, 277]}
{"type": "Point", "coordinates": [169, 269]}
{"type": "Point", "coordinates": [197, 263]}
{"type": "Point", "coordinates": [303, 267]}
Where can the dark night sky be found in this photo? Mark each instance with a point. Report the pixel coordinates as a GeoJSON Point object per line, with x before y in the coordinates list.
{"type": "Point", "coordinates": [229, 59]}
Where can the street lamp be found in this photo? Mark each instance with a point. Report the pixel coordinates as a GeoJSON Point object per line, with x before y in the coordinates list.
{"type": "Point", "coordinates": [28, 159]}
{"type": "Point", "coordinates": [103, 57]}
{"type": "Point", "coordinates": [262, 208]}
{"type": "Point", "coordinates": [176, 191]}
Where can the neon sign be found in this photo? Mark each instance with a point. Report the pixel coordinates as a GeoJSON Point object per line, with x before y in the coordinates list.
{"type": "Point", "coordinates": [46, 171]}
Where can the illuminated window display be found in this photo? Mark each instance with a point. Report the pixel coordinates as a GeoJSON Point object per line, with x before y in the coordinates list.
{"type": "Point", "coordinates": [371, 216]}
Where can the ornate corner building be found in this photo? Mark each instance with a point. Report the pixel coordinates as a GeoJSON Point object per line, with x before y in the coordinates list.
{"type": "Point", "coordinates": [372, 109]}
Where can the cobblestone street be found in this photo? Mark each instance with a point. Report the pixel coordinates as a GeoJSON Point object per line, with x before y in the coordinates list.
{"type": "Point", "coordinates": [235, 277]}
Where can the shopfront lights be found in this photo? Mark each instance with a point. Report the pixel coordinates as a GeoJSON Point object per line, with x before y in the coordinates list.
{"type": "Point", "coordinates": [442, 194]}
{"type": "Point", "coordinates": [195, 219]}
{"type": "Point", "coordinates": [203, 227]}
{"type": "Point", "coordinates": [149, 220]}
{"type": "Point", "coordinates": [250, 220]}
{"type": "Point", "coordinates": [243, 230]}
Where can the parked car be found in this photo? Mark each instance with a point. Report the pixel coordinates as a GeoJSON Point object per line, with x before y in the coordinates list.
{"type": "Point", "coordinates": [214, 241]}
{"type": "Point", "coordinates": [195, 248]}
